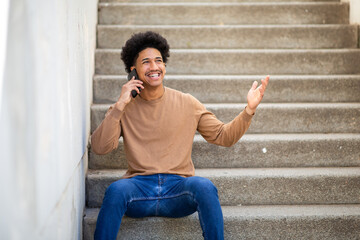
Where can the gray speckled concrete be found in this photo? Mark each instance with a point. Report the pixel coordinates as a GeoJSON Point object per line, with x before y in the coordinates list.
{"type": "Point", "coordinates": [240, 61]}
{"type": "Point", "coordinates": [237, 36]}
{"type": "Point", "coordinates": [234, 88]}
{"type": "Point", "coordinates": [247, 222]}
{"type": "Point", "coordinates": [257, 186]}
{"type": "Point", "coordinates": [295, 118]}
{"type": "Point", "coordinates": [303, 146]}
{"type": "Point", "coordinates": [226, 1]}
{"type": "Point", "coordinates": [261, 150]}
{"type": "Point", "coordinates": [223, 13]}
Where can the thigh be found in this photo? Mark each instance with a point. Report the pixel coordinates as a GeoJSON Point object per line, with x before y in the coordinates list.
{"type": "Point", "coordinates": [123, 190]}
{"type": "Point", "coordinates": [199, 186]}
{"type": "Point", "coordinates": [177, 206]}
{"type": "Point", "coordinates": [137, 187]}
{"type": "Point", "coordinates": [140, 208]}
{"type": "Point", "coordinates": [136, 195]}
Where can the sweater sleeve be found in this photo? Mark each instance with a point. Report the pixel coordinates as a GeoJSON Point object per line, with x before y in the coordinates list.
{"type": "Point", "coordinates": [215, 131]}
{"type": "Point", "coordinates": [106, 137]}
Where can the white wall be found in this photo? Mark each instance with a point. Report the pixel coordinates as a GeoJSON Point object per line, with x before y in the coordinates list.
{"type": "Point", "coordinates": [4, 11]}
{"type": "Point", "coordinates": [354, 11]}
{"type": "Point", "coordinates": [46, 93]}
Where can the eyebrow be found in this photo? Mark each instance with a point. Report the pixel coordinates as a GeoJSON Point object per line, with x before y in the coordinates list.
{"type": "Point", "coordinates": [149, 58]}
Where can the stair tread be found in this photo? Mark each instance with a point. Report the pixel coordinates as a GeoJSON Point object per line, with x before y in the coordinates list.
{"type": "Point", "coordinates": [261, 150]}
{"type": "Point", "coordinates": [238, 36]}
{"type": "Point", "coordinates": [224, 13]}
{"type": "Point", "coordinates": [250, 172]}
{"type": "Point", "coordinates": [296, 117]}
{"type": "Point", "coordinates": [225, 88]}
{"type": "Point", "coordinates": [270, 211]}
{"type": "Point", "coordinates": [99, 106]}
{"type": "Point", "coordinates": [261, 137]}
{"type": "Point", "coordinates": [129, 1]}
{"type": "Point", "coordinates": [293, 136]}
{"type": "Point", "coordinates": [210, 4]}
{"type": "Point", "coordinates": [245, 61]}
{"type": "Point", "coordinates": [218, 77]}
{"type": "Point", "coordinates": [212, 50]}
{"type": "Point", "coordinates": [227, 26]}
{"type": "Point", "coordinates": [259, 186]}
{"type": "Point", "coordinates": [247, 222]}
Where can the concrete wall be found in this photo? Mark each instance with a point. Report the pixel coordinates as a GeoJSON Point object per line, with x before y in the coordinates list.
{"type": "Point", "coordinates": [45, 92]}
{"type": "Point", "coordinates": [4, 11]}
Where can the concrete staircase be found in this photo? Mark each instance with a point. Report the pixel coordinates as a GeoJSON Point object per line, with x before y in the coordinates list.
{"type": "Point", "coordinates": [296, 172]}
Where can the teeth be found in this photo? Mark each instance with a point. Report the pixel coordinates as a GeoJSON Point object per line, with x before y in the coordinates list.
{"type": "Point", "coordinates": [154, 75]}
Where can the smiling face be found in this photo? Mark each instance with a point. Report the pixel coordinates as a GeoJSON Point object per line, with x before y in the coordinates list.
{"type": "Point", "coordinates": [150, 67]}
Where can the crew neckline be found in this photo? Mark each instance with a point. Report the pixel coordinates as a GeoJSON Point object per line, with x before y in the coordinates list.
{"type": "Point", "coordinates": [155, 100]}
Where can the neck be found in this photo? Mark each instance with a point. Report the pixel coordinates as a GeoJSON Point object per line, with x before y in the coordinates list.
{"type": "Point", "coordinates": [149, 93]}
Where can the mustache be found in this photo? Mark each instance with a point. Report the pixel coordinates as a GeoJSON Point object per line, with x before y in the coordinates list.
{"type": "Point", "coordinates": [157, 71]}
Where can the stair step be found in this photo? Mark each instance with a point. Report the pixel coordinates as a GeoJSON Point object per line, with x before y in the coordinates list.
{"type": "Point", "coordinates": [280, 118]}
{"type": "Point", "coordinates": [247, 222]}
{"type": "Point", "coordinates": [296, 173]}
{"type": "Point", "coordinates": [240, 61]}
{"type": "Point", "coordinates": [260, 186]}
{"type": "Point", "coordinates": [226, 88]}
{"type": "Point", "coordinates": [261, 150]}
{"type": "Point", "coordinates": [238, 36]}
{"type": "Point", "coordinates": [223, 13]}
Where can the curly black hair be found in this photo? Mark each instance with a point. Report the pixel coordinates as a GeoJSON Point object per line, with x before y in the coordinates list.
{"type": "Point", "coordinates": [141, 41]}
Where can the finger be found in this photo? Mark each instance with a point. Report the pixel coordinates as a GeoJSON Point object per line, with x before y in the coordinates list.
{"type": "Point", "coordinates": [140, 86]}
{"type": "Point", "coordinates": [137, 84]}
{"type": "Point", "coordinates": [137, 90]}
{"type": "Point", "coordinates": [254, 85]}
{"type": "Point", "coordinates": [262, 90]}
{"type": "Point", "coordinates": [136, 81]}
{"type": "Point", "coordinates": [265, 81]}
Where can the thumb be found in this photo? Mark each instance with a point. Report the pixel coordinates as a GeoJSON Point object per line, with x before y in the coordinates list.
{"type": "Point", "coordinates": [254, 85]}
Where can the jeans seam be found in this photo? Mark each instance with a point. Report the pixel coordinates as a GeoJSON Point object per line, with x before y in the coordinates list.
{"type": "Point", "coordinates": [160, 198]}
{"type": "Point", "coordinates": [158, 193]}
{"type": "Point", "coordinates": [200, 219]}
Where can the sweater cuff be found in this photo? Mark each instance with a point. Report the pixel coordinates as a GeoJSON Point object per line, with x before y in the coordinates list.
{"type": "Point", "coordinates": [116, 113]}
{"type": "Point", "coordinates": [246, 116]}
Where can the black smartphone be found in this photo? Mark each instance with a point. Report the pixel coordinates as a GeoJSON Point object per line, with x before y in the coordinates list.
{"type": "Point", "coordinates": [130, 76]}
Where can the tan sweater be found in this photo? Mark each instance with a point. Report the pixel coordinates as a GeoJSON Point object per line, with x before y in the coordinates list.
{"type": "Point", "coordinates": [158, 135]}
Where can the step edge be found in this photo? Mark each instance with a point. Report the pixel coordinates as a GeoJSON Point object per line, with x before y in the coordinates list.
{"type": "Point", "coordinates": [238, 77]}
{"type": "Point", "coordinates": [270, 211]}
{"type": "Point", "coordinates": [289, 173]}
{"type": "Point", "coordinates": [217, 4]}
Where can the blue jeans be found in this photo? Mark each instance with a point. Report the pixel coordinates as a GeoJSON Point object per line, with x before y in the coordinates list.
{"type": "Point", "coordinates": [164, 195]}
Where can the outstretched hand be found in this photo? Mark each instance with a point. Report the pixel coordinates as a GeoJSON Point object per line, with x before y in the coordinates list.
{"type": "Point", "coordinates": [255, 95]}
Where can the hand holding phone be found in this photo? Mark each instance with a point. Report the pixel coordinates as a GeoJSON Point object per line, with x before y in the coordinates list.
{"type": "Point", "coordinates": [132, 74]}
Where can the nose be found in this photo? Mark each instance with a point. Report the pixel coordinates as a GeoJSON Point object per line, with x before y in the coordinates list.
{"type": "Point", "coordinates": [153, 65]}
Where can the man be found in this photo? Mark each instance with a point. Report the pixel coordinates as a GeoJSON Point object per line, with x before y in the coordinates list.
{"type": "Point", "coordinates": [158, 128]}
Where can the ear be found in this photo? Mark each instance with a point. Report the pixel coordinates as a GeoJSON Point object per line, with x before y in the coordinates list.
{"type": "Point", "coordinates": [132, 68]}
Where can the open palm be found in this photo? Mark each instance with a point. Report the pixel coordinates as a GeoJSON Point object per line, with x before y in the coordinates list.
{"type": "Point", "coordinates": [256, 94]}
